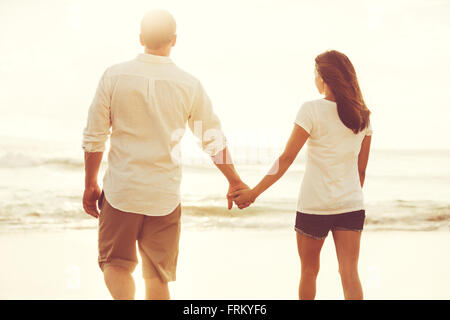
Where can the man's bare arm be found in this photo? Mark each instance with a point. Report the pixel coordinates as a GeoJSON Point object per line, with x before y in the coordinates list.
{"type": "Point", "coordinates": [224, 163]}
{"type": "Point", "coordinates": [92, 162]}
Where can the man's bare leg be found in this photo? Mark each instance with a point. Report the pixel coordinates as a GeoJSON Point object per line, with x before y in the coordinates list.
{"type": "Point", "coordinates": [155, 289]}
{"type": "Point", "coordinates": [120, 283]}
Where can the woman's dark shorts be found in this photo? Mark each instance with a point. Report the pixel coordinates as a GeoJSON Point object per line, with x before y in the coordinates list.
{"type": "Point", "coordinates": [317, 226]}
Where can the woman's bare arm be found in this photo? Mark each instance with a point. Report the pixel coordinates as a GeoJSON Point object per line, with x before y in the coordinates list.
{"type": "Point", "coordinates": [294, 145]}
{"type": "Point", "coordinates": [363, 158]}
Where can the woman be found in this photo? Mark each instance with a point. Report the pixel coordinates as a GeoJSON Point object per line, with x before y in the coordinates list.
{"type": "Point", "coordinates": [338, 131]}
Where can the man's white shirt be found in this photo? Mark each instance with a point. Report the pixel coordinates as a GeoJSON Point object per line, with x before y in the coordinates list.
{"type": "Point", "coordinates": [143, 105]}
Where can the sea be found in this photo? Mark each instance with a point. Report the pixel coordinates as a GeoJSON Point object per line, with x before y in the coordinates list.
{"type": "Point", "coordinates": [41, 188]}
{"type": "Point", "coordinates": [257, 70]}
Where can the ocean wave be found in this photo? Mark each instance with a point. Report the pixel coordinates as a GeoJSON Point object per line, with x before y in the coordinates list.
{"type": "Point", "coordinates": [400, 215]}
{"type": "Point", "coordinates": [20, 160]}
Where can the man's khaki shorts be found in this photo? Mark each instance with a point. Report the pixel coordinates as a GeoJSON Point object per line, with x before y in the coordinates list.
{"type": "Point", "coordinates": [157, 238]}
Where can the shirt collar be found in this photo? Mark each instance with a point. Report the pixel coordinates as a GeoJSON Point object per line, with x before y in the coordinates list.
{"type": "Point", "coordinates": [147, 57]}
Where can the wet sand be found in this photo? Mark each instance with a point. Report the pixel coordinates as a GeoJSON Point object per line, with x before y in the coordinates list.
{"type": "Point", "coordinates": [228, 264]}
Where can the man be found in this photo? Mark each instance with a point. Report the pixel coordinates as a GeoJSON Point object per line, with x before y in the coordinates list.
{"type": "Point", "coordinates": [147, 103]}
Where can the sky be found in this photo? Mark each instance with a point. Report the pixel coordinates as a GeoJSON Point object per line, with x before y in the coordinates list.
{"type": "Point", "coordinates": [255, 59]}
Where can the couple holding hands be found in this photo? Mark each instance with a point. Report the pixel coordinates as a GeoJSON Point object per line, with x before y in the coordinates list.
{"type": "Point", "coordinates": [140, 104]}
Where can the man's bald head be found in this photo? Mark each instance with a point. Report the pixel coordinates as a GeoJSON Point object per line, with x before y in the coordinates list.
{"type": "Point", "coordinates": [158, 29]}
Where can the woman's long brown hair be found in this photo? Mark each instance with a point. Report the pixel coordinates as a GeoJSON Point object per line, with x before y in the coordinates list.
{"type": "Point", "coordinates": [339, 74]}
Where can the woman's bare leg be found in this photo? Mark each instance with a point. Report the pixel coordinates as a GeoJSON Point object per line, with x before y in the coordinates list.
{"type": "Point", "coordinates": [309, 252]}
{"type": "Point", "coordinates": [347, 250]}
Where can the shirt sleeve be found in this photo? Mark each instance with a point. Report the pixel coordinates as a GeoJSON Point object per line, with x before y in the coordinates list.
{"type": "Point", "coordinates": [369, 128]}
{"type": "Point", "coordinates": [304, 118]}
{"type": "Point", "coordinates": [205, 124]}
{"type": "Point", "coordinates": [98, 124]}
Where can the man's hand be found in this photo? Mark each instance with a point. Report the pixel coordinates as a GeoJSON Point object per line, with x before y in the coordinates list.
{"type": "Point", "coordinates": [92, 191]}
{"type": "Point", "coordinates": [90, 198]}
{"type": "Point", "coordinates": [233, 188]}
{"type": "Point", "coordinates": [243, 197]}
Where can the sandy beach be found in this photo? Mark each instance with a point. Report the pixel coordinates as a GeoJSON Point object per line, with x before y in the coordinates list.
{"type": "Point", "coordinates": [228, 264]}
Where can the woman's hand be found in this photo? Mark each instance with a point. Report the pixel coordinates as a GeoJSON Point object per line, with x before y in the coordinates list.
{"type": "Point", "coordinates": [243, 198]}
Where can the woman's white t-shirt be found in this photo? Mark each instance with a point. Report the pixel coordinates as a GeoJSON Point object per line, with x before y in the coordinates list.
{"type": "Point", "coordinates": [331, 182]}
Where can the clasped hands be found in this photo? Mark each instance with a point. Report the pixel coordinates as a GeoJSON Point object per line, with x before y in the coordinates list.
{"type": "Point", "coordinates": [241, 195]}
